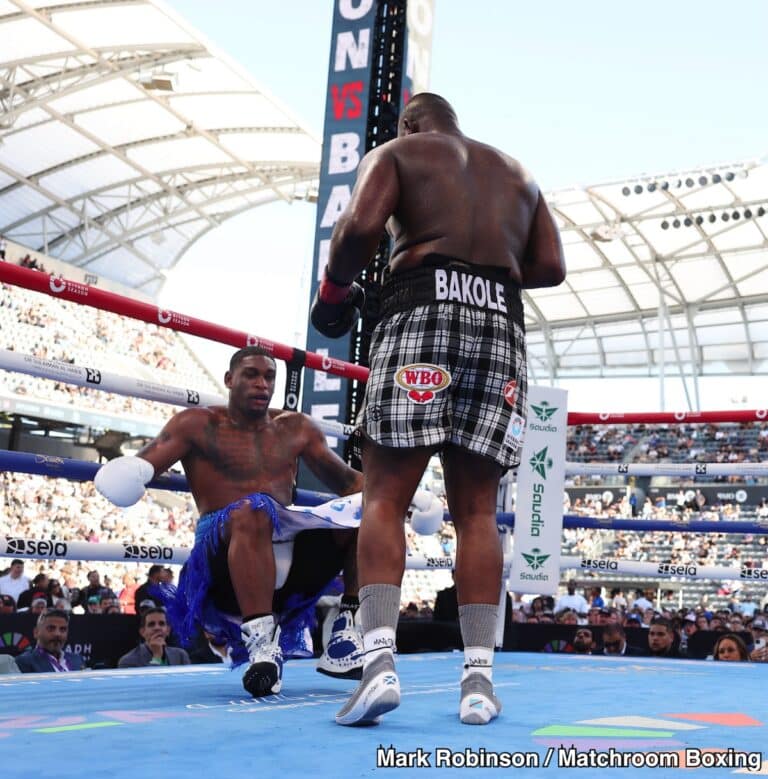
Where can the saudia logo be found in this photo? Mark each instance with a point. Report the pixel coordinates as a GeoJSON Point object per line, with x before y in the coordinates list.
{"type": "Point", "coordinates": [544, 413]}
{"type": "Point", "coordinates": [535, 559]}
{"type": "Point", "coordinates": [422, 381]}
{"type": "Point", "coordinates": [537, 521]}
{"type": "Point", "coordinates": [541, 463]}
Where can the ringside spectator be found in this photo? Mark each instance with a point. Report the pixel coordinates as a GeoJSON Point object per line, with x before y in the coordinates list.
{"type": "Point", "coordinates": [154, 650]}
{"type": "Point", "coordinates": [49, 654]}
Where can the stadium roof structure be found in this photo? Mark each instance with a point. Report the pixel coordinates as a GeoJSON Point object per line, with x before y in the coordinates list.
{"type": "Point", "coordinates": [124, 136]}
{"type": "Point", "coordinates": [679, 258]}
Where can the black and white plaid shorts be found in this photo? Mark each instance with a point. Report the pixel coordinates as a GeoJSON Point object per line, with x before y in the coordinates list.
{"type": "Point", "coordinates": [448, 363]}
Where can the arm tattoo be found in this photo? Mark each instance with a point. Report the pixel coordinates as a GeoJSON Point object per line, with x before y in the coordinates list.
{"type": "Point", "coordinates": [164, 437]}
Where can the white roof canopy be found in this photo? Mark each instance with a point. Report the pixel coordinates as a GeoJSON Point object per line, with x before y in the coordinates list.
{"type": "Point", "coordinates": [690, 245]}
{"type": "Point", "coordinates": [124, 136]}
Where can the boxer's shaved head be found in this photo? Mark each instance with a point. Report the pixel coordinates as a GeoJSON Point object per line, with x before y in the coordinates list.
{"type": "Point", "coordinates": [428, 106]}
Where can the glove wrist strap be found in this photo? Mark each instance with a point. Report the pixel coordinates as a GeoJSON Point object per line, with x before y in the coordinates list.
{"type": "Point", "coordinates": [333, 291]}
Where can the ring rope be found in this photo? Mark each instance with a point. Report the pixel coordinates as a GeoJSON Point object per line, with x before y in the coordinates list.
{"type": "Point", "coordinates": [96, 379]}
{"type": "Point", "coordinates": [93, 378]}
{"type": "Point", "coordinates": [87, 295]}
{"type": "Point", "coordinates": [81, 470]}
{"type": "Point", "coordinates": [50, 549]}
{"type": "Point", "coordinates": [664, 417]}
{"type": "Point", "coordinates": [667, 469]}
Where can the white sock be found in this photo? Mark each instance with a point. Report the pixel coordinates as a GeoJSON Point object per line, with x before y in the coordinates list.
{"type": "Point", "coordinates": [478, 659]}
{"type": "Point", "coordinates": [377, 641]}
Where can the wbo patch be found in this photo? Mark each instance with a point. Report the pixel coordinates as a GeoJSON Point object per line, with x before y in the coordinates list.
{"type": "Point", "coordinates": [422, 381]}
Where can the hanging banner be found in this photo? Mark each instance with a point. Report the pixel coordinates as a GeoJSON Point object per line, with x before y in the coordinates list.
{"type": "Point", "coordinates": [344, 143]}
{"type": "Point", "coordinates": [346, 116]}
{"type": "Point", "coordinates": [540, 485]}
{"type": "Point", "coordinates": [420, 15]}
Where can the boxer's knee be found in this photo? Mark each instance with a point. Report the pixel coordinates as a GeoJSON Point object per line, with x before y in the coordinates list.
{"type": "Point", "coordinates": [247, 523]}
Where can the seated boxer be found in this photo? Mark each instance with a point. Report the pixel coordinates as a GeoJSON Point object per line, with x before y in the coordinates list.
{"type": "Point", "coordinates": [241, 462]}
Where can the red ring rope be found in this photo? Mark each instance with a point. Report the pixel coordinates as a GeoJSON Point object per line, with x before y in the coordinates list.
{"type": "Point", "coordinates": [88, 295]}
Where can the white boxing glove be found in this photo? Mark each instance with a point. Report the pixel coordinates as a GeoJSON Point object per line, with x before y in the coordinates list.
{"type": "Point", "coordinates": [426, 512]}
{"type": "Point", "coordinates": [122, 480]}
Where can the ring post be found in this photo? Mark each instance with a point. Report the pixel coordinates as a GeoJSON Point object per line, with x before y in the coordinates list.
{"type": "Point", "coordinates": [540, 486]}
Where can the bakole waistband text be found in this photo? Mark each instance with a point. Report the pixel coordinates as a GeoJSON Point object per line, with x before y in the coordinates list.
{"type": "Point", "coordinates": [472, 290]}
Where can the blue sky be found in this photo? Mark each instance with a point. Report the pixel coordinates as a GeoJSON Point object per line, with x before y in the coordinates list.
{"type": "Point", "coordinates": [581, 93]}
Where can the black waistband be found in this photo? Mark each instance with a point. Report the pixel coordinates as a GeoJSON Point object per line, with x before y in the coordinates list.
{"type": "Point", "coordinates": [484, 287]}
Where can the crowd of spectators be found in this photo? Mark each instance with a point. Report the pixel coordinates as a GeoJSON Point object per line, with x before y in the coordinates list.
{"type": "Point", "coordinates": [35, 507]}
{"type": "Point", "coordinates": [57, 509]}
{"type": "Point", "coordinates": [28, 261]}
{"type": "Point", "coordinates": [615, 622]}
{"type": "Point", "coordinates": [52, 329]}
{"type": "Point", "coordinates": [733, 443]}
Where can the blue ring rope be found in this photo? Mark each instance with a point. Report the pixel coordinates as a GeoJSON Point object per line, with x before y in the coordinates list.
{"type": "Point", "coordinates": [81, 470]}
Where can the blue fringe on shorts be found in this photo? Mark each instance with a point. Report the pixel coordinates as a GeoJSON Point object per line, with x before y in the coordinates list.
{"type": "Point", "coordinates": [189, 606]}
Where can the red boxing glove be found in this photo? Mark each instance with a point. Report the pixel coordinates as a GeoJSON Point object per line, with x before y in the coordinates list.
{"type": "Point", "coordinates": [336, 307]}
{"type": "Point", "coordinates": [332, 291]}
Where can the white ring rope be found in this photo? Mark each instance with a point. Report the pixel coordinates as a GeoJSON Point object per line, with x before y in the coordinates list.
{"type": "Point", "coordinates": [667, 469]}
{"type": "Point", "coordinates": [95, 378]}
{"type": "Point", "coordinates": [47, 549]}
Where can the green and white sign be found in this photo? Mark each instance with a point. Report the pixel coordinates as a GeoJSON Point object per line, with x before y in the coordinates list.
{"type": "Point", "coordinates": [540, 487]}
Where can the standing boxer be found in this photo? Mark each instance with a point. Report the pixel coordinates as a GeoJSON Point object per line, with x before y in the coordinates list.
{"type": "Point", "coordinates": [448, 368]}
